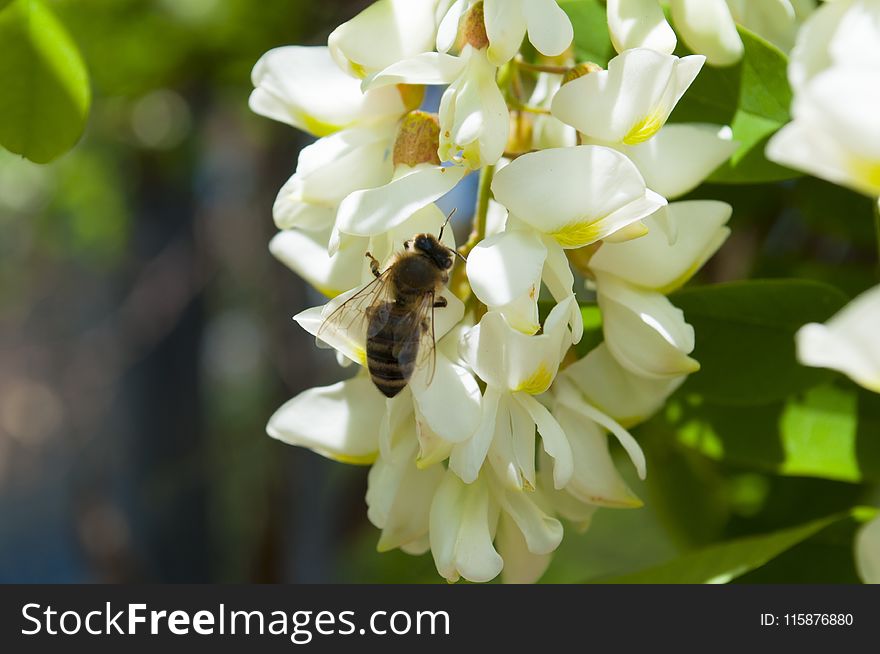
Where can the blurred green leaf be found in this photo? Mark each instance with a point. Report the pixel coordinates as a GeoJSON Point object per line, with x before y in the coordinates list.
{"type": "Point", "coordinates": [753, 98]}
{"type": "Point", "coordinates": [725, 561]}
{"type": "Point", "coordinates": [591, 39]}
{"type": "Point", "coordinates": [3, 3]}
{"type": "Point", "coordinates": [829, 431]}
{"type": "Point", "coordinates": [745, 337]}
{"type": "Point", "coordinates": [46, 95]}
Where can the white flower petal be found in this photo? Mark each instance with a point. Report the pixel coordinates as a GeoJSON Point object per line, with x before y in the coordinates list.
{"type": "Point", "coordinates": [506, 266]}
{"type": "Point", "coordinates": [553, 438]}
{"type": "Point", "coordinates": [550, 29]}
{"type": "Point", "coordinates": [520, 565]}
{"type": "Point", "coordinates": [302, 87]}
{"type": "Point", "coordinates": [505, 27]}
{"type": "Point", "coordinates": [462, 523]}
{"type": "Point", "coordinates": [451, 386]}
{"type": "Point", "coordinates": [707, 27]}
{"type": "Point", "coordinates": [834, 133]}
{"type": "Point", "coordinates": [306, 254]}
{"type": "Point", "coordinates": [628, 398]}
{"type": "Point", "coordinates": [399, 497]}
{"type": "Point", "coordinates": [651, 262]}
{"type": "Point", "coordinates": [681, 156]}
{"type": "Point", "coordinates": [629, 102]}
{"type": "Point", "coordinates": [447, 32]}
{"type": "Point", "coordinates": [373, 211]}
{"type": "Point", "coordinates": [340, 421]}
{"type": "Point", "coordinates": [596, 479]}
{"type": "Point", "coordinates": [639, 24]}
{"type": "Point", "coordinates": [569, 397]}
{"type": "Point", "coordinates": [467, 458]}
{"type": "Point", "coordinates": [426, 68]}
{"type": "Point", "coordinates": [868, 552]}
{"type": "Point", "coordinates": [382, 34]}
{"type": "Point", "coordinates": [576, 195]}
{"type": "Point", "coordinates": [848, 342]}
{"type": "Point", "coordinates": [845, 34]}
{"type": "Point", "coordinates": [512, 454]}
{"type": "Point", "coordinates": [474, 121]}
{"type": "Point", "coordinates": [542, 532]}
{"type": "Point", "coordinates": [644, 331]}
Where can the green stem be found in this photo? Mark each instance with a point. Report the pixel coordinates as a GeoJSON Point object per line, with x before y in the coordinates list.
{"type": "Point", "coordinates": [541, 68]}
{"type": "Point", "coordinates": [484, 193]}
{"type": "Point", "coordinates": [877, 228]}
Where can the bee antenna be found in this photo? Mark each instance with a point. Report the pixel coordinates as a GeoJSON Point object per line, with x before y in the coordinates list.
{"type": "Point", "coordinates": [460, 256]}
{"type": "Point", "coordinates": [446, 222]}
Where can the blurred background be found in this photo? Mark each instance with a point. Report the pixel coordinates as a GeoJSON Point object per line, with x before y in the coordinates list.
{"type": "Point", "coordinates": [146, 333]}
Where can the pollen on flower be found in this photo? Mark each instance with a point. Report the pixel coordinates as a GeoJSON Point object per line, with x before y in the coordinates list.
{"type": "Point", "coordinates": [418, 139]}
{"type": "Point", "coordinates": [644, 129]}
{"type": "Point", "coordinates": [537, 383]}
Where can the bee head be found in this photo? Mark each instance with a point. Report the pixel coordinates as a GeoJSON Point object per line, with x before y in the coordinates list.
{"type": "Point", "coordinates": [430, 246]}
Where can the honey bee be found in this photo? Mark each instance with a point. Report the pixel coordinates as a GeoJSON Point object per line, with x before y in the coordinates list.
{"type": "Point", "coordinates": [397, 310]}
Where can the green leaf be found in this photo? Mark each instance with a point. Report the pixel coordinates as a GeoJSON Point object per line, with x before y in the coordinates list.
{"type": "Point", "coordinates": [46, 95]}
{"type": "Point", "coordinates": [829, 431]}
{"type": "Point", "coordinates": [3, 4]}
{"type": "Point", "coordinates": [591, 39]}
{"type": "Point", "coordinates": [753, 98]}
{"type": "Point", "coordinates": [745, 337]}
{"type": "Point", "coordinates": [723, 562]}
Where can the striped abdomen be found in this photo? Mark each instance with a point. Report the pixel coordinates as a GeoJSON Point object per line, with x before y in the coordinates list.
{"type": "Point", "coordinates": [392, 346]}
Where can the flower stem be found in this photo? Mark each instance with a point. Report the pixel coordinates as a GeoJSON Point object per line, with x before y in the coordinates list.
{"type": "Point", "coordinates": [541, 68]}
{"type": "Point", "coordinates": [484, 192]}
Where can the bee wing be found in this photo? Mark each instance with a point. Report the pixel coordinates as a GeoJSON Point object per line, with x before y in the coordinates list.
{"type": "Point", "coordinates": [351, 317]}
{"type": "Point", "coordinates": [423, 321]}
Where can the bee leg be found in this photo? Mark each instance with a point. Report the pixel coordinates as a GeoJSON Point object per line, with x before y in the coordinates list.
{"type": "Point", "coordinates": [440, 302]}
{"type": "Point", "coordinates": [374, 264]}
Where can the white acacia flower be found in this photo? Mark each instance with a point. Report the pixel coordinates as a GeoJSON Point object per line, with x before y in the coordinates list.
{"type": "Point", "coordinates": [629, 102]}
{"type": "Point", "coordinates": [595, 480]}
{"type": "Point", "coordinates": [841, 33]}
{"type": "Point", "coordinates": [868, 552]}
{"type": "Point", "coordinates": [622, 395]}
{"type": "Point", "coordinates": [375, 211]}
{"type": "Point", "coordinates": [578, 195]}
{"type": "Point", "coordinates": [385, 32]}
{"type": "Point", "coordinates": [834, 132]}
{"type": "Point", "coordinates": [302, 87]}
{"type": "Point", "coordinates": [505, 272]}
{"type": "Point", "coordinates": [680, 156]}
{"type": "Point", "coordinates": [340, 422]}
{"type": "Point", "coordinates": [418, 179]}
{"type": "Point", "coordinates": [515, 367]}
{"type": "Point", "coordinates": [848, 342]}
{"type": "Point", "coordinates": [658, 263]}
{"type": "Point", "coordinates": [474, 120]}
{"type": "Point", "coordinates": [329, 170]}
{"type": "Point", "coordinates": [708, 27]}
{"type": "Point", "coordinates": [643, 330]}
{"type": "Point", "coordinates": [305, 253]}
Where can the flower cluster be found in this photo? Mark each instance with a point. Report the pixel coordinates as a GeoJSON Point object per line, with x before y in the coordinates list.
{"type": "Point", "coordinates": [706, 26]}
{"type": "Point", "coordinates": [506, 434]}
{"type": "Point", "coordinates": [834, 71]}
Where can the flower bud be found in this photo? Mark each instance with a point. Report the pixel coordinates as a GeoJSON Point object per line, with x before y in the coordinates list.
{"type": "Point", "coordinates": [474, 28]}
{"type": "Point", "coordinates": [418, 138]}
{"type": "Point", "coordinates": [580, 70]}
